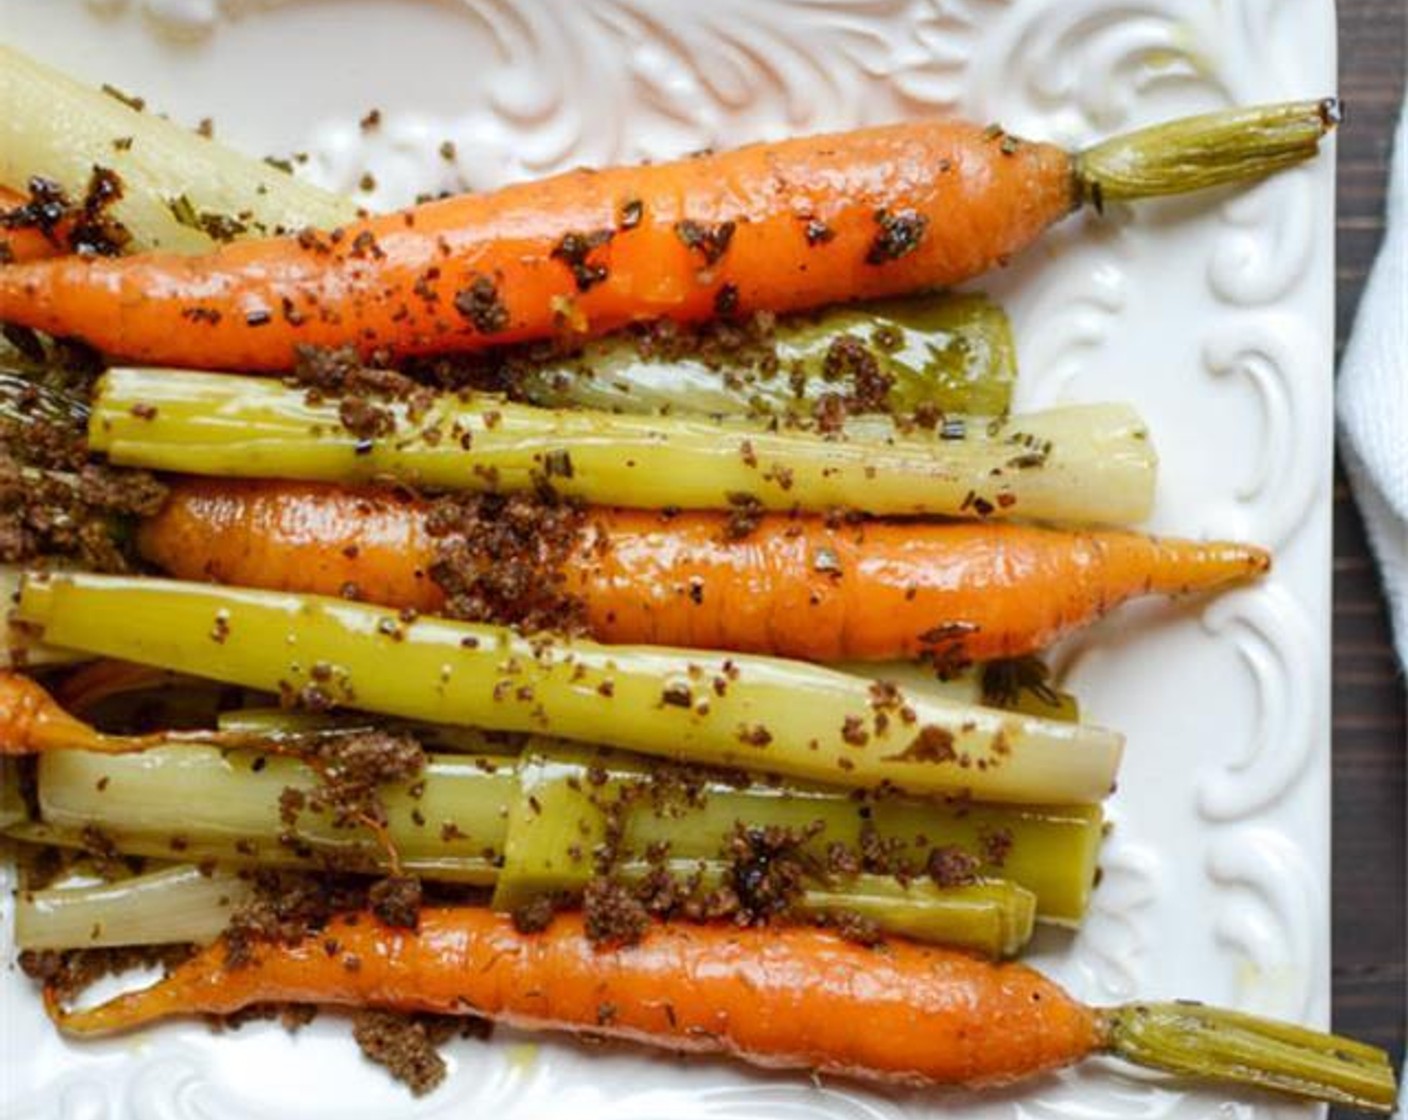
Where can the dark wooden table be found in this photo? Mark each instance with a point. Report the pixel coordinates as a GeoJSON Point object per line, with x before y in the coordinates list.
{"type": "Point", "coordinates": [1369, 737]}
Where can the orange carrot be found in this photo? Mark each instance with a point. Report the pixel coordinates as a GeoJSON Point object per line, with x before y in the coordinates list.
{"type": "Point", "coordinates": [797, 587]}
{"type": "Point", "coordinates": [31, 720]}
{"type": "Point", "coordinates": [788, 998]}
{"type": "Point", "coordinates": [779, 226]}
{"type": "Point", "coordinates": [791, 997]}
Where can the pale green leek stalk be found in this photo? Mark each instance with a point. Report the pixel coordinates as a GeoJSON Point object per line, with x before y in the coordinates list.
{"type": "Point", "coordinates": [556, 819]}
{"type": "Point", "coordinates": [193, 802]}
{"type": "Point", "coordinates": [18, 645]}
{"type": "Point", "coordinates": [183, 904]}
{"type": "Point", "coordinates": [1081, 463]}
{"type": "Point", "coordinates": [540, 814]}
{"type": "Point", "coordinates": [171, 906]}
{"type": "Point", "coordinates": [56, 128]}
{"type": "Point", "coordinates": [279, 723]}
{"type": "Point", "coordinates": [952, 352]}
{"type": "Point", "coordinates": [1020, 685]}
{"type": "Point", "coordinates": [994, 917]}
{"type": "Point", "coordinates": [969, 684]}
{"type": "Point", "coordinates": [757, 713]}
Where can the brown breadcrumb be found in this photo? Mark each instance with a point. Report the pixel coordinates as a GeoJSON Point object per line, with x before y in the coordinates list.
{"type": "Point", "coordinates": [535, 915]}
{"type": "Point", "coordinates": [951, 866]}
{"type": "Point", "coordinates": [710, 240]}
{"type": "Point", "coordinates": [481, 305]}
{"type": "Point", "coordinates": [92, 230]}
{"type": "Point", "coordinates": [768, 870]}
{"type": "Point", "coordinates": [48, 514]}
{"type": "Point", "coordinates": [352, 768]}
{"type": "Point", "coordinates": [996, 845]}
{"type": "Point", "coordinates": [340, 371]}
{"type": "Point", "coordinates": [741, 349]}
{"type": "Point", "coordinates": [898, 233]}
{"type": "Point", "coordinates": [69, 972]}
{"type": "Point", "coordinates": [285, 907]}
{"type": "Point", "coordinates": [612, 915]}
{"type": "Point", "coordinates": [396, 901]}
{"type": "Point", "coordinates": [503, 558]}
{"type": "Point", "coordinates": [855, 366]}
{"type": "Point", "coordinates": [364, 419]}
{"type": "Point", "coordinates": [932, 744]}
{"type": "Point", "coordinates": [853, 927]}
{"type": "Point", "coordinates": [575, 250]}
{"type": "Point", "coordinates": [53, 501]}
{"type": "Point", "coordinates": [402, 1046]}
{"type": "Point", "coordinates": [745, 513]}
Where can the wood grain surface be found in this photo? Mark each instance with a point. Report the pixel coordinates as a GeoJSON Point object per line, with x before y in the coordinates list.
{"type": "Point", "coordinates": [1370, 741]}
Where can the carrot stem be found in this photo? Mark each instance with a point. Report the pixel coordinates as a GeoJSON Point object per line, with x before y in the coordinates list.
{"type": "Point", "coordinates": [1204, 151]}
{"type": "Point", "coordinates": [1213, 1044]}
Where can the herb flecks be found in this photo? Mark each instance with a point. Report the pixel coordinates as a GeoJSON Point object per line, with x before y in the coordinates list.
{"type": "Point", "coordinates": [218, 227]}
{"type": "Point", "coordinates": [900, 233]}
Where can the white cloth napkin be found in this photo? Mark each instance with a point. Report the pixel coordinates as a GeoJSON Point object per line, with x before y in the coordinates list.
{"type": "Point", "coordinates": [1373, 399]}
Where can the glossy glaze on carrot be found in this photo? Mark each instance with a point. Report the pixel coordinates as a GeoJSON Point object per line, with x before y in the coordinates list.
{"type": "Point", "coordinates": [796, 587]}
{"type": "Point", "coordinates": [779, 226]}
{"type": "Point", "coordinates": [789, 998]}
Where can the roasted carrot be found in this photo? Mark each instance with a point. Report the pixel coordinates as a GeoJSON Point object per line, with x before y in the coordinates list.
{"type": "Point", "coordinates": [31, 720]}
{"type": "Point", "coordinates": [788, 998]}
{"type": "Point", "coordinates": [776, 227]}
{"type": "Point", "coordinates": [781, 997]}
{"type": "Point", "coordinates": [798, 587]}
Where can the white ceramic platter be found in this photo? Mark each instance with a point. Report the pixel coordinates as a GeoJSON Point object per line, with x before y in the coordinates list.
{"type": "Point", "coordinates": [1212, 315]}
